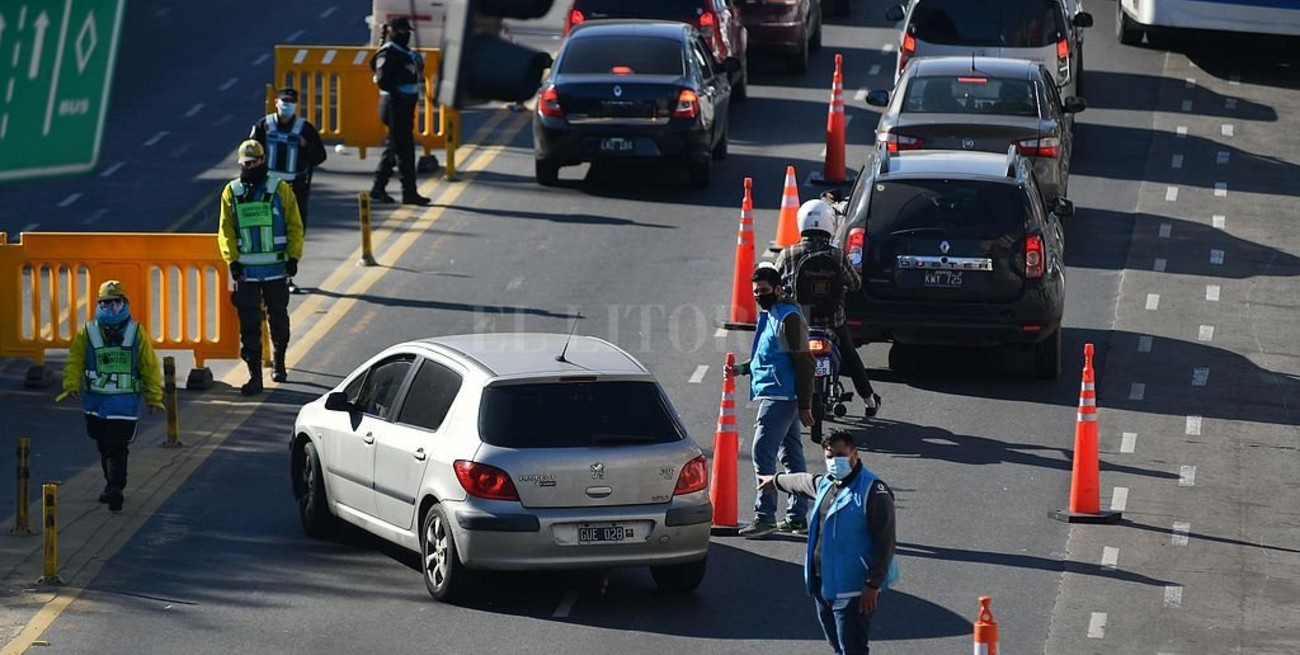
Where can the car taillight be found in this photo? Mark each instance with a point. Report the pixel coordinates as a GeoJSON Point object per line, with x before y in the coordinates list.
{"type": "Point", "coordinates": [895, 142]}
{"type": "Point", "coordinates": [1033, 256]}
{"type": "Point", "coordinates": [1045, 147]}
{"type": "Point", "coordinates": [694, 477]}
{"type": "Point", "coordinates": [818, 346]}
{"type": "Point", "coordinates": [855, 245]}
{"type": "Point", "coordinates": [549, 103]}
{"type": "Point", "coordinates": [1063, 59]}
{"type": "Point", "coordinates": [908, 49]}
{"type": "Point", "coordinates": [575, 17]}
{"type": "Point", "coordinates": [708, 21]}
{"type": "Point", "coordinates": [483, 481]}
{"type": "Point", "coordinates": [688, 105]}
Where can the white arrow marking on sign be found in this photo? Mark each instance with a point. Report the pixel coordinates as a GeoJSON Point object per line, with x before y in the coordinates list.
{"type": "Point", "coordinates": [42, 22]}
{"type": "Point", "coordinates": [84, 51]}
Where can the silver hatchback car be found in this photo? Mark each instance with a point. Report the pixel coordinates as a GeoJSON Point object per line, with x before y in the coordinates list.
{"type": "Point", "coordinates": [509, 452]}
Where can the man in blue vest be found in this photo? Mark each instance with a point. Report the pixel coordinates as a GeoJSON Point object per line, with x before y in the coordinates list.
{"type": "Point", "coordinates": [293, 150]}
{"type": "Point", "coordinates": [399, 74]}
{"type": "Point", "coordinates": [261, 240]}
{"type": "Point", "coordinates": [780, 371]}
{"type": "Point", "coordinates": [113, 369]}
{"type": "Point", "coordinates": [851, 541]}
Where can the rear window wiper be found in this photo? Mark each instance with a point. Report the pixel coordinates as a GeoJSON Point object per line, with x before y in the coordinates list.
{"type": "Point", "coordinates": [916, 230]}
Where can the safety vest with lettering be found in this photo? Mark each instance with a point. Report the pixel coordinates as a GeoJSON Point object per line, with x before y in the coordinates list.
{"type": "Point", "coordinates": [261, 233]}
{"type": "Point", "coordinates": [771, 368]}
{"type": "Point", "coordinates": [113, 388]}
{"type": "Point", "coordinates": [286, 167]}
{"type": "Point", "coordinates": [846, 549]}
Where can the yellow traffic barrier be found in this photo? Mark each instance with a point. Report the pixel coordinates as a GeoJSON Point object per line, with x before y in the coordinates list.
{"type": "Point", "coordinates": [172, 403]}
{"type": "Point", "coordinates": [177, 284]}
{"type": "Point", "coordinates": [50, 490]}
{"type": "Point", "coordinates": [22, 523]}
{"type": "Point", "coordinates": [337, 94]}
{"type": "Point", "coordinates": [363, 209]}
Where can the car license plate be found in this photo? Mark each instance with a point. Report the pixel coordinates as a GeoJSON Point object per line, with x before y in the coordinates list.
{"type": "Point", "coordinates": [602, 534]}
{"type": "Point", "coordinates": [615, 144]}
{"type": "Point", "coordinates": [823, 367]}
{"type": "Point", "coordinates": [947, 279]}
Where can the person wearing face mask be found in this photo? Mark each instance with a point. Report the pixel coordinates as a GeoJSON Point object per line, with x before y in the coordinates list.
{"type": "Point", "coordinates": [113, 369]}
{"type": "Point", "coordinates": [851, 541]}
{"type": "Point", "coordinates": [780, 371]}
{"type": "Point", "coordinates": [260, 238]}
{"type": "Point", "coordinates": [399, 74]}
{"type": "Point", "coordinates": [293, 150]}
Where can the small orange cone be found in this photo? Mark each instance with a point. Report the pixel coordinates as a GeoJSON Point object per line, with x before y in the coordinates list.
{"type": "Point", "coordinates": [744, 311]}
{"type": "Point", "coordinates": [834, 170]}
{"type": "Point", "coordinates": [1085, 486]}
{"type": "Point", "coordinates": [726, 455]}
{"type": "Point", "coordinates": [787, 224]}
{"type": "Point", "coordinates": [986, 630]}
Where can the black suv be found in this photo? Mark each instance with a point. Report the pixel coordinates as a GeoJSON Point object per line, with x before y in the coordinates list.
{"type": "Point", "coordinates": [957, 248]}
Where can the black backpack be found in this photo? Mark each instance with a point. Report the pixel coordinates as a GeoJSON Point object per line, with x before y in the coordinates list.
{"type": "Point", "coordinates": [818, 283]}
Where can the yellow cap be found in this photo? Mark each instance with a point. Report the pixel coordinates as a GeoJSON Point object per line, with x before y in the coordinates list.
{"type": "Point", "coordinates": [111, 289]}
{"type": "Point", "coordinates": [250, 150]}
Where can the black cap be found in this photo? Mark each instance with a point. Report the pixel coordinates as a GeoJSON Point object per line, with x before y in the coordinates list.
{"type": "Point", "coordinates": [399, 23]}
{"type": "Point", "coordinates": [287, 93]}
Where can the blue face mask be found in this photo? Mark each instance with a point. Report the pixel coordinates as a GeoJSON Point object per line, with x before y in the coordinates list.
{"type": "Point", "coordinates": [839, 467]}
{"type": "Point", "coordinates": [113, 314]}
{"type": "Point", "coordinates": [287, 109]}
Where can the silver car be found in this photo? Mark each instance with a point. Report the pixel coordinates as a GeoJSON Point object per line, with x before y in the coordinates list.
{"type": "Point", "coordinates": [508, 452]}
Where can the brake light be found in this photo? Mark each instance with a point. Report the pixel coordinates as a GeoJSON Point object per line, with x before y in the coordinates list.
{"type": "Point", "coordinates": [1033, 256]}
{"type": "Point", "coordinates": [1046, 147]}
{"type": "Point", "coordinates": [621, 70]}
{"type": "Point", "coordinates": [694, 477]}
{"type": "Point", "coordinates": [483, 481]}
{"type": "Point", "coordinates": [1062, 49]}
{"type": "Point", "coordinates": [896, 142]}
{"type": "Point", "coordinates": [973, 80]}
{"type": "Point", "coordinates": [575, 17]}
{"type": "Point", "coordinates": [818, 346]}
{"type": "Point", "coordinates": [1062, 60]}
{"type": "Point", "coordinates": [688, 105]}
{"type": "Point", "coordinates": [855, 246]}
{"type": "Point", "coordinates": [549, 103]}
{"type": "Point", "coordinates": [707, 21]}
{"type": "Point", "coordinates": [905, 53]}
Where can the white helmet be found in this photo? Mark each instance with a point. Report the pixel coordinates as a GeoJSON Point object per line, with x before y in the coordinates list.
{"type": "Point", "coordinates": [816, 214]}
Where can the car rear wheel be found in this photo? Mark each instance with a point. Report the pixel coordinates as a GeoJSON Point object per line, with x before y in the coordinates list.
{"type": "Point", "coordinates": [679, 578]}
{"type": "Point", "coordinates": [444, 575]}
{"type": "Point", "coordinates": [1126, 30]}
{"type": "Point", "coordinates": [1046, 355]}
{"type": "Point", "coordinates": [701, 173]}
{"type": "Point", "coordinates": [309, 487]}
{"type": "Point", "coordinates": [548, 174]}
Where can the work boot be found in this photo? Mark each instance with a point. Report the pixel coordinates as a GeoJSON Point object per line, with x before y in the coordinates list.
{"type": "Point", "coordinates": [278, 373]}
{"type": "Point", "coordinates": [115, 501]}
{"type": "Point", "coordinates": [414, 198]}
{"type": "Point", "coordinates": [105, 495]}
{"type": "Point", "coordinates": [254, 384]}
{"type": "Point", "coordinates": [379, 195]}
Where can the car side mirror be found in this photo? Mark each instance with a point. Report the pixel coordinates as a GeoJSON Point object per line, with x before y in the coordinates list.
{"type": "Point", "coordinates": [337, 401]}
{"type": "Point", "coordinates": [1074, 105]}
{"type": "Point", "coordinates": [878, 98]}
{"type": "Point", "coordinates": [895, 13]}
{"type": "Point", "coordinates": [1062, 208]}
{"type": "Point", "coordinates": [1082, 19]}
{"type": "Point", "coordinates": [731, 65]}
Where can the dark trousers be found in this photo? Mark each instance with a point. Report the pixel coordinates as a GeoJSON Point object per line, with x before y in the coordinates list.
{"type": "Point", "coordinates": [845, 626]}
{"type": "Point", "coordinates": [398, 113]}
{"type": "Point", "coordinates": [852, 363]}
{"type": "Point", "coordinates": [249, 297]}
{"type": "Point", "coordinates": [113, 436]}
{"type": "Point", "coordinates": [302, 191]}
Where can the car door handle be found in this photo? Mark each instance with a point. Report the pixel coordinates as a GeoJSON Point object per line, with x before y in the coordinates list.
{"type": "Point", "coordinates": [369, 438]}
{"type": "Point", "coordinates": [419, 454]}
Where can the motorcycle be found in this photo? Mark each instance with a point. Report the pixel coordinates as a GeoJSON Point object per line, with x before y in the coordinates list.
{"type": "Point", "coordinates": [829, 395]}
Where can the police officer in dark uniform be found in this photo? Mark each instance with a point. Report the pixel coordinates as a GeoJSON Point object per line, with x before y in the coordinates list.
{"type": "Point", "coordinates": [399, 73]}
{"type": "Point", "coordinates": [293, 149]}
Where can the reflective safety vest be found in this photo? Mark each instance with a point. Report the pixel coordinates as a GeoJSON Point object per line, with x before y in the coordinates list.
{"type": "Point", "coordinates": [262, 237]}
{"type": "Point", "coordinates": [112, 370]}
{"type": "Point", "coordinates": [285, 168]}
{"type": "Point", "coordinates": [771, 367]}
{"type": "Point", "coordinates": [410, 88]}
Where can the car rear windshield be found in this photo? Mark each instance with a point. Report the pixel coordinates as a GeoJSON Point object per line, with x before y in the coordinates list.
{"type": "Point", "coordinates": [635, 55]}
{"type": "Point", "coordinates": [957, 208]}
{"type": "Point", "coordinates": [674, 9]}
{"type": "Point", "coordinates": [970, 94]}
{"type": "Point", "coordinates": [576, 415]}
{"type": "Point", "coordinates": [1000, 23]}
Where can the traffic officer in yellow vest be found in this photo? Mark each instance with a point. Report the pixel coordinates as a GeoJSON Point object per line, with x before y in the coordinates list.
{"type": "Point", "coordinates": [113, 369]}
{"type": "Point", "coordinates": [261, 239]}
{"type": "Point", "coordinates": [293, 150]}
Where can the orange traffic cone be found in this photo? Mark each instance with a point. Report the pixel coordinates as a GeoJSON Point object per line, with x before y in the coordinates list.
{"type": "Point", "coordinates": [1085, 487]}
{"type": "Point", "coordinates": [787, 224]}
{"type": "Point", "coordinates": [726, 455]}
{"type": "Point", "coordinates": [744, 312]}
{"type": "Point", "coordinates": [834, 171]}
{"type": "Point", "coordinates": [986, 630]}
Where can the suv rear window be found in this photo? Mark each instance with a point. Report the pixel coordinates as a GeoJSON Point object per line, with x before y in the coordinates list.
{"type": "Point", "coordinates": [684, 10]}
{"type": "Point", "coordinates": [599, 55]}
{"type": "Point", "coordinates": [576, 415]}
{"type": "Point", "coordinates": [997, 23]}
{"type": "Point", "coordinates": [959, 208]}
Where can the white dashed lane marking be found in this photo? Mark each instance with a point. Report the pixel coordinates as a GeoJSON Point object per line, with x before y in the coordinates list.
{"type": "Point", "coordinates": [1166, 229]}
{"type": "Point", "coordinates": [860, 95]}
{"type": "Point", "coordinates": [1227, 129]}
{"type": "Point", "coordinates": [890, 47]}
{"type": "Point", "coordinates": [566, 605]}
{"type": "Point", "coordinates": [1219, 221]}
{"type": "Point", "coordinates": [30, 227]}
{"type": "Point", "coordinates": [1222, 157]}
{"type": "Point", "coordinates": [1171, 194]}
{"type": "Point", "coordinates": [328, 12]}
{"type": "Point", "coordinates": [261, 59]}
{"type": "Point", "coordinates": [515, 284]}
{"type": "Point", "coordinates": [1109, 557]}
{"type": "Point", "coordinates": [1128, 442]}
{"type": "Point", "coordinates": [194, 110]}
{"type": "Point", "coordinates": [1193, 426]}
{"type": "Point", "coordinates": [1187, 476]}
{"type": "Point", "coordinates": [1144, 344]}
{"type": "Point", "coordinates": [1205, 333]}
{"type": "Point", "coordinates": [1200, 376]}
{"type": "Point", "coordinates": [94, 218]}
{"type": "Point", "coordinates": [1160, 264]}
{"type": "Point", "coordinates": [1181, 533]}
{"type": "Point", "coordinates": [1212, 292]}
{"type": "Point", "coordinates": [1216, 257]}
{"type": "Point", "coordinates": [874, 70]}
{"type": "Point", "coordinates": [1097, 626]}
{"type": "Point", "coordinates": [1189, 82]}
{"type": "Point", "coordinates": [698, 376]}
{"type": "Point", "coordinates": [295, 36]}
{"type": "Point", "coordinates": [1137, 391]}
{"type": "Point", "coordinates": [1220, 189]}
{"type": "Point", "coordinates": [230, 83]}
{"type": "Point", "coordinates": [720, 333]}
{"type": "Point", "coordinates": [1234, 80]}
{"type": "Point", "coordinates": [153, 140]}
{"type": "Point", "coordinates": [1153, 302]}
{"type": "Point", "coordinates": [1173, 595]}
{"type": "Point", "coordinates": [1176, 161]}
{"type": "Point", "coordinates": [108, 172]}
{"type": "Point", "coordinates": [1187, 105]}
{"type": "Point", "coordinates": [1181, 131]}
{"type": "Point", "coordinates": [1119, 499]}
{"type": "Point", "coordinates": [72, 197]}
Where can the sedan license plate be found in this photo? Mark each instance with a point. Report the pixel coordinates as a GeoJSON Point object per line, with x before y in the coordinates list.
{"type": "Point", "coordinates": [603, 534]}
{"type": "Point", "coordinates": [823, 367]}
{"type": "Point", "coordinates": [616, 144]}
{"type": "Point", "coordinates": [945, 279]}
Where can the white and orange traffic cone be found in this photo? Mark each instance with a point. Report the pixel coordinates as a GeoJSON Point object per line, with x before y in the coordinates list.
{"type": "Point", "coordinates": [834, 171]}
{"type": "Point", "coordinates": [787, 223]}
{"type": "Point", "coordinates": [986, 630]}
{"type": "Point", "coordinates": [726, 457]}
{"type": "Point", "coordinates": [1085, 485]}
{"type": "Point", "coordinates": [744, 311]}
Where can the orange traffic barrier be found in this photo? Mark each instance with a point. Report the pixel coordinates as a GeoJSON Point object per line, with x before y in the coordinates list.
{"type": "Point", "coordinates": [1085, 486]}
{"type": "Point", "coordinates": [787, 224]}
{"type": "Point", "coordinates": [726, 456]}
{"type": "Point", "coordinates": [834, 170]}
{"type": "Point", "coordinates": [744, 311]}
{"type": "Point", "coordinates": [986, 630]}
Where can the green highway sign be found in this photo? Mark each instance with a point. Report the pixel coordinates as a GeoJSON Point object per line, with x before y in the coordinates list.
{"type": "Point", "coordinates": [56, 68]}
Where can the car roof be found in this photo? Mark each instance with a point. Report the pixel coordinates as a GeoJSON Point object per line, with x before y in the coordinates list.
{"type": "Point", "coordinates": [630, 27]}
{"type": "Point", "coordinates": [921, 164]}
{"type": "Point", "coordinates": [524, 354]}
{"type": "Point", "coordinates": [994, 66]}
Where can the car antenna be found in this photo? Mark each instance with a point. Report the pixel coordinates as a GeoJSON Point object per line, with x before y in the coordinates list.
{"type": "Point", "coordinates": [560, 357]}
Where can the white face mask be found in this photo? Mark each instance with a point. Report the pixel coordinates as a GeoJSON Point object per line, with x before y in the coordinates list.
{"type": "Point", "coordinates": [839, 467]}
{"type": "Point", "coordinates": [287, 109]}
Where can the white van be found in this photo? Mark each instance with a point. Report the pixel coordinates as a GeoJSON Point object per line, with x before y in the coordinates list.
{"type": "Point", "coordinates": [427, 18]}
